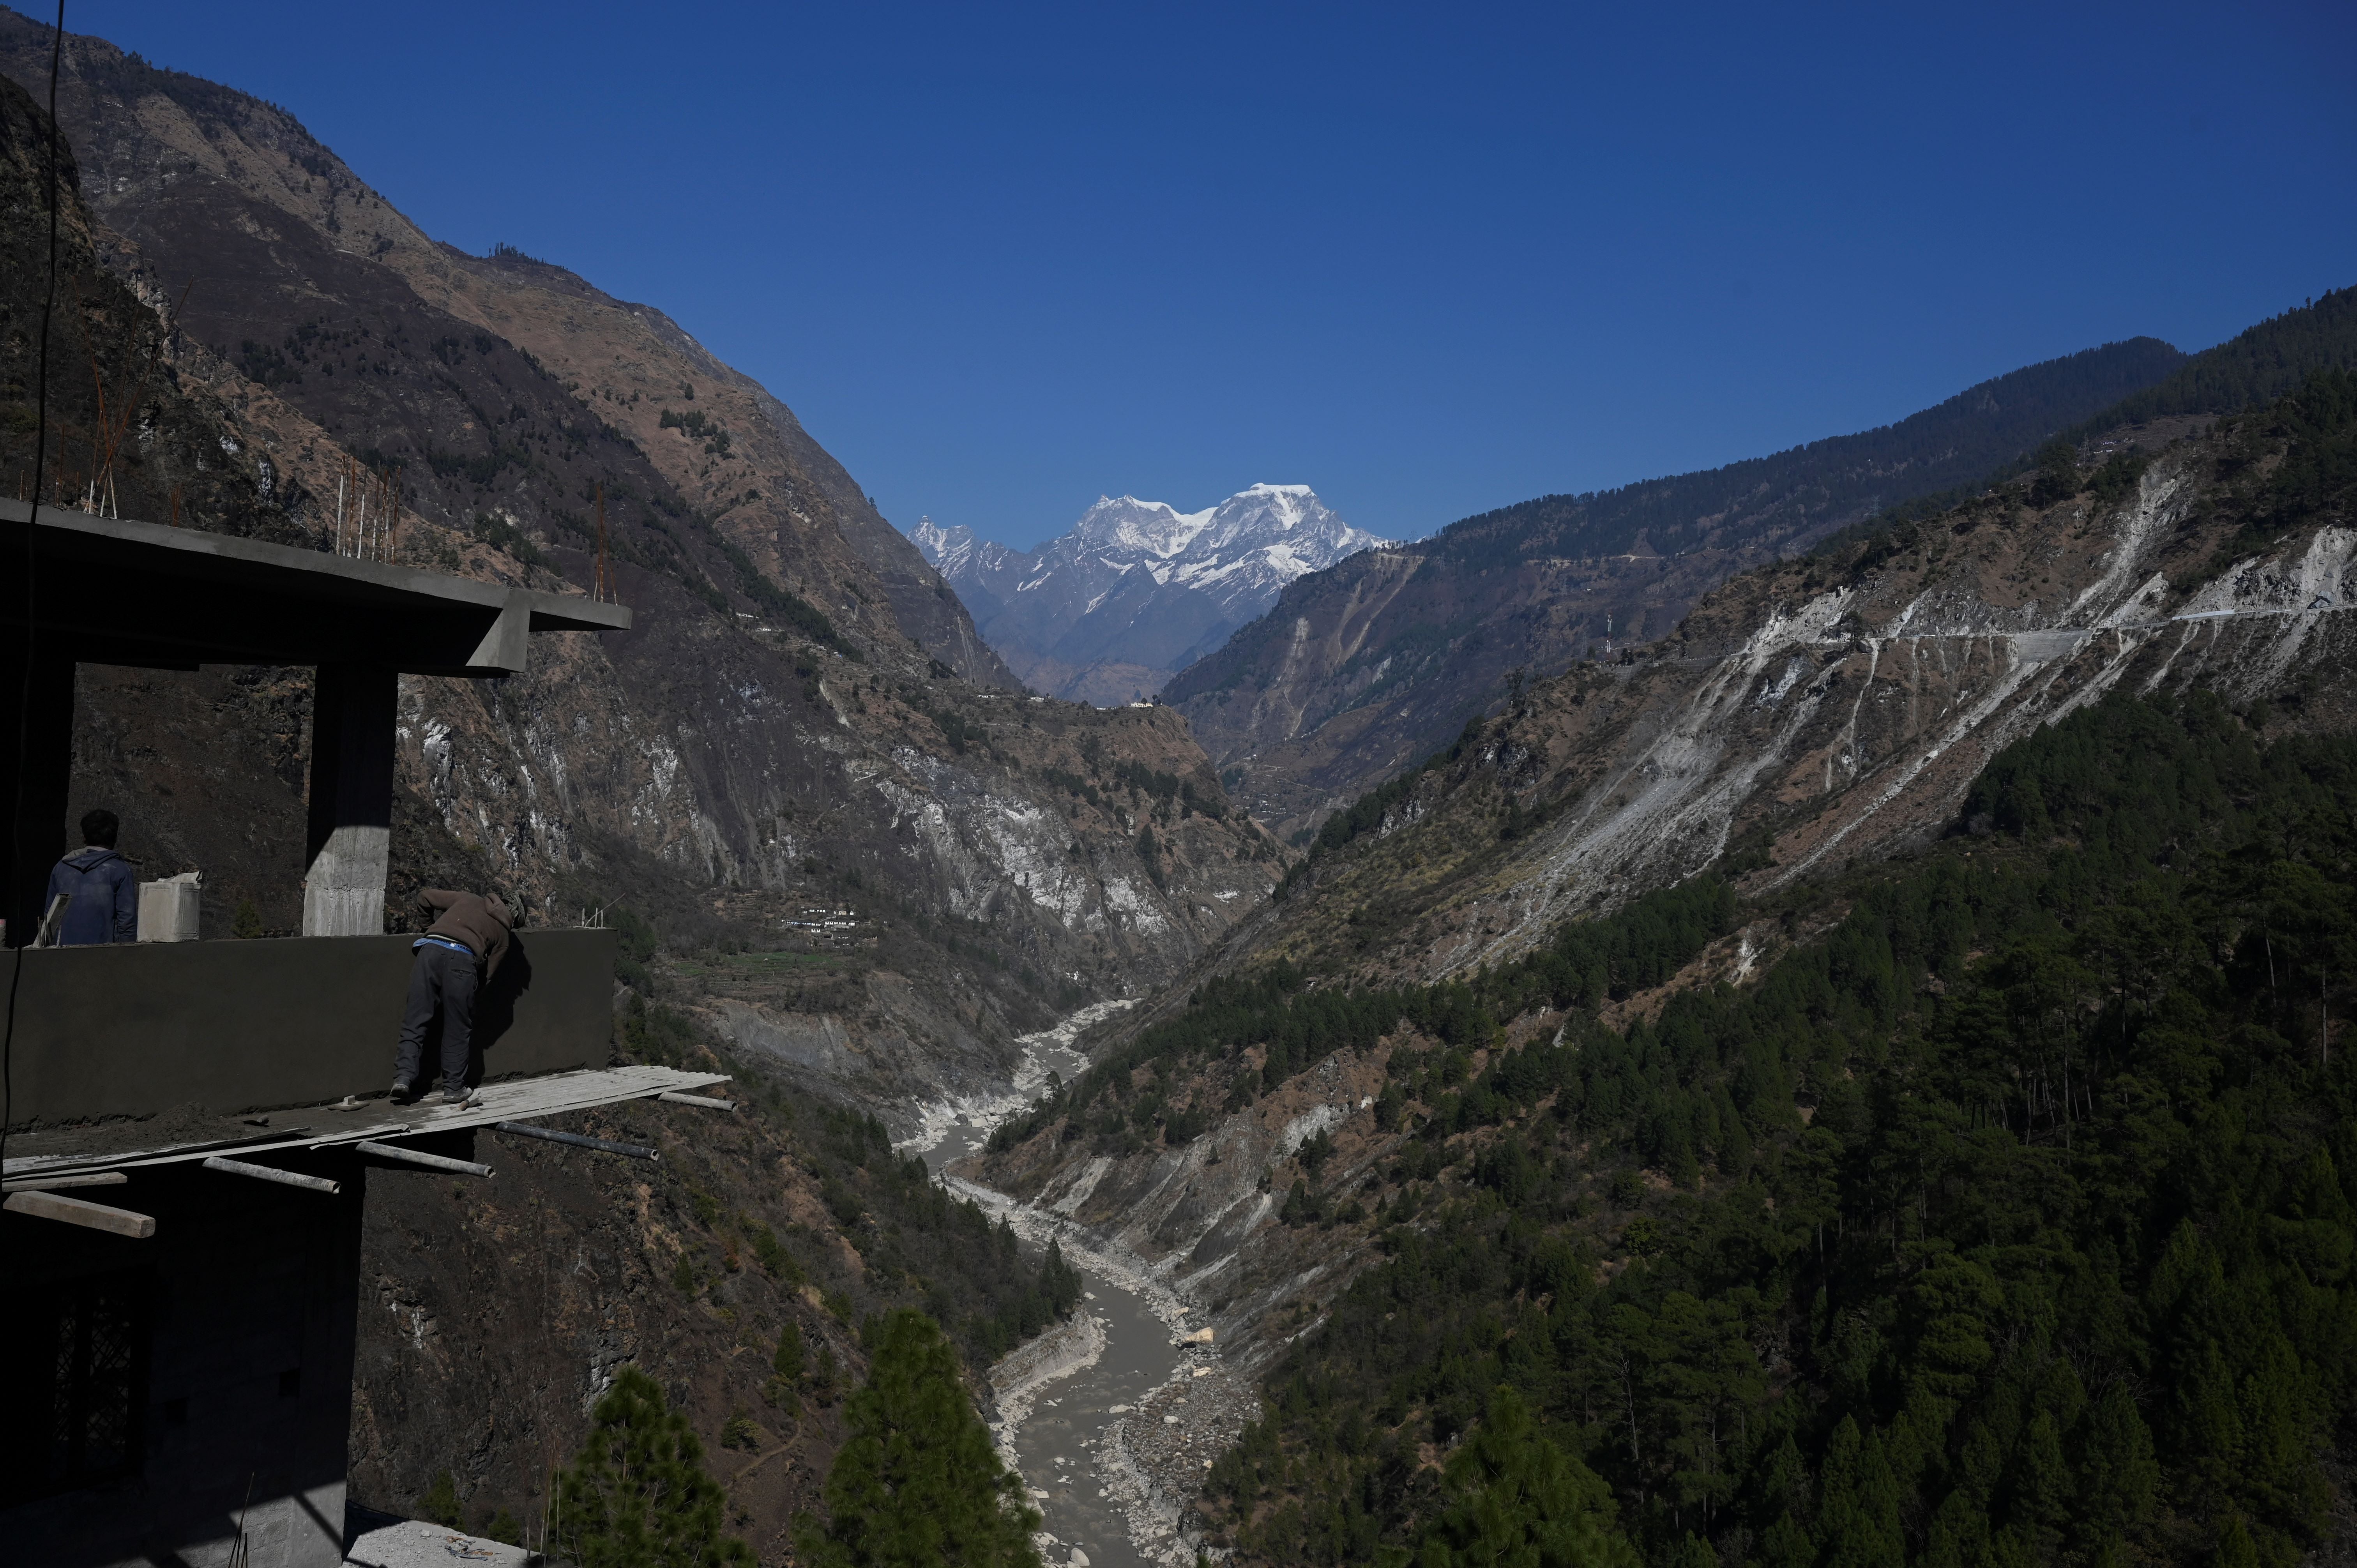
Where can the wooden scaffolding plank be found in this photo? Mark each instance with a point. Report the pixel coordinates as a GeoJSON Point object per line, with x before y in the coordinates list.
{"type": "Point", "coordinates": [79, 1211]}
{"type": "Point", "coordinates": [585, 1088]}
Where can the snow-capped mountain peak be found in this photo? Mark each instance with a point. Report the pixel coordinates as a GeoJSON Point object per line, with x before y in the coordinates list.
{"type": "Point", "coordinates": [946, 547]}
{"type": "Point", "coordinates": [1125, 526]}
{"type": "Point", "coordinates": [1080, 605]}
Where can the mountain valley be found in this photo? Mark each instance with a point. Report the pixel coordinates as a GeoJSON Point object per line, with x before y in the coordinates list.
{"type": "Point", "coordinates": [1517, 1018]}
{"type": "Point", "coordinates": [801, 719]}
{"type": "Point", "coordinates": [1793, 1016]}
{"type": "Point", "coordinates": [1137, 590]}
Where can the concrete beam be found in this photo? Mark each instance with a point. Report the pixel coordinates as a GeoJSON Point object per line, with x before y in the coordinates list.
{"type": "Point", "coordinates": [508, 644]}
{"type": "Point", "coordinates": [51, 1184]}
{"type": "Point", "coordinates": [180, 597]}
{"type": "Point", "coordinates": [708, 1101]}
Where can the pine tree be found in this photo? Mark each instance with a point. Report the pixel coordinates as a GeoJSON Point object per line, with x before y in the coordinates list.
{"type": "Point", "coordinates": [1858, 1513]}
{"type": "Point", "coordinates": [2279, 1476]}
{"type": "Point", "coordinates": [637, 1495]}
{"type": "Point", "coordinates": [2208, 1412]}
{"type": "Point", "coordinates": [2235, 1548]}
{"type": "Point", "coordinates": [1515, 1498]}
{"type": "Point", "coordinates": [439, 1501]}
{"type": "Point", "coordinates": [787, 1367]}
{"type": "Point", "coordinates": [1785, 1504]}
{"type": "Point", "coordinates": [1060, 1283]}
{"type": "Point", "coordinates": [2042, 1493]}
{"type": "Point", "coordinates": [2121, 1478]}
{"type": "Point", "coordinates": [2058, 473]}
{"type": "Point", "coordinates": [788, 1362]}
{"type": "Point", "coordinates": [1694, 1552]}
{"type": "Point", "coordinates": [917, 1483]}
{"type": "Point", "coordinates": [1959, 1536]}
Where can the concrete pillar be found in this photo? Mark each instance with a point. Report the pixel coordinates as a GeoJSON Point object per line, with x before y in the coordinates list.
{"type": "Point", "coordinates": [33, 787]}
{"type": "Point", "coordinates": [350, 830]}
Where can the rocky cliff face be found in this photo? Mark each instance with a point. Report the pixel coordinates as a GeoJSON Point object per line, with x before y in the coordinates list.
{"type": "Point", "coordinates": [1138, 589]}
{"type": "Point", "coordinates": [1368, 666]}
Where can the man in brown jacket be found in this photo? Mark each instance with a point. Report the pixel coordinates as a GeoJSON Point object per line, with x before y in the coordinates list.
{"type": "Point", "coordinates": [459, 949]}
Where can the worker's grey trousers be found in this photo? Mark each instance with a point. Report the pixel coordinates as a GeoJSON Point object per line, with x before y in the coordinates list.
{"type": "Point", "coordinates": [442, 979]}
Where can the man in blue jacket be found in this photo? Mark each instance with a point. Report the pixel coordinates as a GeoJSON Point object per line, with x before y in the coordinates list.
{"type": "Point", "coordinates": [103, 888]}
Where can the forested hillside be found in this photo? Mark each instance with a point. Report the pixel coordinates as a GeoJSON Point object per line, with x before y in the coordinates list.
{"type": "Point", "coordinates": [1926, 1147]}
{"type": "Point", "coordinates": [741, 1275]}
{"type": "Point", "coordinates": [2254, 367]}
{"type": "Point", "coordinates": [2010, 1222]}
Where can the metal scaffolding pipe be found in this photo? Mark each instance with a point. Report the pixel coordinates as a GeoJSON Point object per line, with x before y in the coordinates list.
{"type": "Point", "coordinates": [419, 1157]}
{"type": "Point", "coordinates": [578, 1140]}
{"type": "Point", "coordinates": [271, 1173]}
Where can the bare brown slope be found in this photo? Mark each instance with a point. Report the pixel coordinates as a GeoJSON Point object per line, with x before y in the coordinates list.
{"type": "Point", "coordinates": [721, 763]}
{"type": "Point", "coordinates": [302, 272]}
{"type": "Point", "coordinates": [768, 485]}
{"type": "Point", "coordinates": [1824, 711]}
{"type": "Point", "coordinates": [187, 444]}
{"type": "Point", "coordinates": [1371, 665]}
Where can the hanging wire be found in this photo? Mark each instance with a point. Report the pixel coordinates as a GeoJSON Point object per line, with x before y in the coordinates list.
{"type": "Point", "coordinates": [25, 688]}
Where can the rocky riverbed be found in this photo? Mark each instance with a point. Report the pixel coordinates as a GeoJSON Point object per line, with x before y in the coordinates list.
{"type": "Point", "coordinates": [1112, 1416]}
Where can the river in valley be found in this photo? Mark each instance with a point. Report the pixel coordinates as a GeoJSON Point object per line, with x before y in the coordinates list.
{"type": "Point", "coordinates": [1070, 1404]}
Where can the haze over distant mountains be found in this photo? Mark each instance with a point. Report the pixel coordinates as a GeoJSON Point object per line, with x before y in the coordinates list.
{"type": "Point", "coordinates": [1137, 590]}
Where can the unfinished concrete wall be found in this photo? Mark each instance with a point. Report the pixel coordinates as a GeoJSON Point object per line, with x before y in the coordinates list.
{"type": "Point", "coordinates": [240, 1400]}
{"type": "Point", "coordinates": [127, 1030]}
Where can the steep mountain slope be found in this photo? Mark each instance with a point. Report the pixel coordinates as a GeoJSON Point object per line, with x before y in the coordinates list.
{"type": "Point", "coordinates": [1361, 670]}
{"type": "Point", "coordinates": [1769, 1183]}
{"type": "Point", "coordinates": [188, 446]}
{"type": "Point", "coordinates": [1828, 709]}
{"type": "Point", "coordinates": [1833, 711]}
{"type": "Point", "coordinates": [764, 736]}
{"type": "Point", "coordinates": [494, 1315]}
{"type": "Point", "coordinates": [297, 271]}
{"type": "Point", "coordinates": [1137, 589]}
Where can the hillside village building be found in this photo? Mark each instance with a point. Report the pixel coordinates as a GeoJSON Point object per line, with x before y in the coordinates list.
{"type": "Point", "coordinates": [188, 1146]}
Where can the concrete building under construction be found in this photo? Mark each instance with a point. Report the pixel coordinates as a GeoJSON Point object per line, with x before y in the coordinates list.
{"type": "Point", "coordinates": [191, 1126]}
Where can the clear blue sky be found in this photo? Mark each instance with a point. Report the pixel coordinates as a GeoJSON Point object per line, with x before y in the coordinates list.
{"type": "Point", "coordinates": [1429, 260]}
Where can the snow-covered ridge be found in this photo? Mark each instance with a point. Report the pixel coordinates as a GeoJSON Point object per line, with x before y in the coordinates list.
{"type": "Point", "coordinates": [1285, 528]}
{"type": "Point", "coordinates": [1139, 584]}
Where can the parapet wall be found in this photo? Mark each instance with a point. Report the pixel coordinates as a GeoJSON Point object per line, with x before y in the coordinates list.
{"type": "Point", "coordinates": [234, 1027]}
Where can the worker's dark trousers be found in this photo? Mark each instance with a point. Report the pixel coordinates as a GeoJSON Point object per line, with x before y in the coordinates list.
{"type": "Point", "coordinates": [444, 979]}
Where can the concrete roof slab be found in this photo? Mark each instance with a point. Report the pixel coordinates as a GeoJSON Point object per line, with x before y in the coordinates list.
{"type": "Point", "coordinates": [119, 591]}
